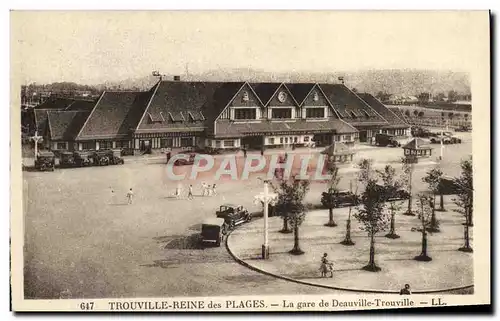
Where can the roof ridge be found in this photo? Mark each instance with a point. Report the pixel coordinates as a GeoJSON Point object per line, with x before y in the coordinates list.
{"type": "Point", "coordinates": [149, 103]}
{"type": "Point", "coordinates": [90, 115]}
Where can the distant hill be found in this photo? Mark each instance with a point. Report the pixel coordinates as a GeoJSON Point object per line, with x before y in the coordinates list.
{"type": "Point", "coordinates": [405, 82]}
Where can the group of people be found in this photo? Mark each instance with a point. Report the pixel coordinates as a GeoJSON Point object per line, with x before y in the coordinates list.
{"type": "Point", "coordinates": [207, 190]}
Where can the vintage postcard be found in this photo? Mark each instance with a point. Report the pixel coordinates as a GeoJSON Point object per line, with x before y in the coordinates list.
{"type": "Point", "coordinates": [249, 161]}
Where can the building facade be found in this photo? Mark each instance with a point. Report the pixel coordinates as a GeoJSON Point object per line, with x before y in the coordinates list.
{"type": "Point", "coordinates": [180, 115]}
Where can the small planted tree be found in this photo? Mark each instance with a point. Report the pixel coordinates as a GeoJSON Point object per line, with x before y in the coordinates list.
{"type": "Point", "coordinates": [464, 201]}
{"type": "Point", "coordinates": [280, 211]}
{"type": "Point", "coordinates": [390, 190]}
{"type": "Point", "coordinates": [347, 239]}
{"type": "Point", "coordinates": [415, 113]}
{"type": "Point", "coordinates": [373, 218]}
{"type": "Point", "coordinates": [291, 194]}
{"type": "Point", "coordinates": [329, 198]}
{"type": "Point", "coordinates": [424, 210]}
{"type": "Point", "coordinates": [433, 180]}
{"type": "Point", "coordinates": [406, 182]}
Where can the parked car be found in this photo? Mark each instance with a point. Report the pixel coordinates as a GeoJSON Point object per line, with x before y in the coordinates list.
{"type": "Point", "coordinates": [185, 160]}
{"type": "Point", "coordinates": [67, 159]}
{"type": "Point", "coordinates": [438, 139]}
{"type": "Point", "coordinates": [386, 140]}
{"type": "Point", "coordinates": [463, 128]}
{"type": "Point", "coordinates": [114, 156]}
{"type": "Point", "coordinates": [399, 195]}
{"type": "Point", "coordinates": [454, 139]}
{"type": "Point", "coordinates": [45, 161]}
{"type": "Point", "coordinates": [342, 199]}
{"type": "Point", "coordinates": [83, 158]}
{"type": "Point", "coordinates": [213, 231]}
{"type": "Point", "coordinates": [233, 215]}
{"type": "Point", "coordinates": [448, 187]}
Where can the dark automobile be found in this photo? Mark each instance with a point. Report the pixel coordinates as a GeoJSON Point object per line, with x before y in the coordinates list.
{"type": "Point", "coordinates": [67, 159]}
{"type": "Point", "coordinates": [420, 132]}
{"type": "Point", "coordinates": [213, 231]}
{"type": "Point", "coordinates": [463, 128]}
{"type": "Point", "coordinates": [185, 160]}
{"type": "Point", "coordinates": [45, 161]}
{"type": "Point", "coordinates": [114, 156]}
{"type": "Point", "coordinates": [386, 140]}
{"type": "Point", "coordinates": [83, 158]}
{"type": "Point", "coordinates": [447, 186]}
{"type": "Point", "coordinates": [233, 214]}
{"type": "Point", "coordinates": [342, 199]}
{"type": "Point", "coordinates": [398, 195]}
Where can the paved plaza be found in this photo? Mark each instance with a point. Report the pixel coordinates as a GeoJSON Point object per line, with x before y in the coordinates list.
{"type": "Point", "coordinates": [81, 236]}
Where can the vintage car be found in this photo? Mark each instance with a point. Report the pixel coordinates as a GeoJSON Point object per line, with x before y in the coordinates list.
{"type": "Point", "coordinates": [463, 128]}
{"type": "Point", "coordinates": [447, 186]}
{"type": "Point", "coordinates": [67, 159]}
{"type": "Point", "coordinates": [45, 161]}
{"type": "Point", "coordinates": [115, 157]}
{"type": "Point", "coordinates": [213, 231]}
{"type": "Point", "coordinates": [233, 215]}
{"type": "Point", "coordinates": [83, 158]}
{"type": "Point", "coordinates": [399, 195]}
{"type": "Point", "coordinates": [447, 138]}
{"type": "Point", "coordinates": [185, 160]}
{"type": "Point", "coordinates": [386, 140]}
{"type": "Point", "coordinates": [342, 199]}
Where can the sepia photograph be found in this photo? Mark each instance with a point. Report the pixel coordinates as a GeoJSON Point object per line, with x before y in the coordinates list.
{"type": "Point", "coordinates": [249, 160]}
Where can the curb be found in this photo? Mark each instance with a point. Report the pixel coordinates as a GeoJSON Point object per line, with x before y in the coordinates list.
{"type": "Point", "coordinates": [251, 267]}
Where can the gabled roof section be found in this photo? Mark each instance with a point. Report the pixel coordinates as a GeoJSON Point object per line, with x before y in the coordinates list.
{"type": "Point", "coordinates": [337, 148]}
{"type": "Point", "coordinates": [379, 107]}
{"type": "Point", "coordinates": [81, 105]}
{"type": "Point", "coordinates": [417, 144]}
{"type": "Point", "coordinates": [350, 106]}
{"type": "Point", "coordinates": [265, 90]}
{"type": "Point", "coordinates": [65, 125]}
{"type": "Point", "coordinates": [40, 120]}
{"type": "Point", "coordinates": [284, 88]}
{"type": "Point", "coordinates": [300, 91]}
{"type": "Point", "coordinates": [187, 104]}
{"type": "Point", "coordinates": [114, 115]}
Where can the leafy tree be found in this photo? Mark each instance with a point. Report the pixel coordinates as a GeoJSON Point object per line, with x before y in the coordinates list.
{"type": "Point", "coordinates": [407, 113]}
{"type": "Point", "coordinates": [452, 96]}
{"type": "Point", "coordinates": [424, 97]}
{"type": "Point", "coordinates": [440, 97]}
{"type": "Point", "coordinates": [424, 210]}
{"type": "Point", "coordinates": [366, 172]}
{"type": "Point", "coordinates": [415, 113]}
{"type": "Point", "coordinates": [373, 218]}
{"type": "Point", "coordinates": [347, 239]}
{"type": "Point", "coordinates": [406, 182]}
{"type": "Point", "coordinates": [390, 189]}
{"type": "Point", "coordinates": [291, 194]}
{"type": "Point", "coordinates": [329, 198]}
{"type": "Point", "coordinates": [421, 114]}
{"type": "Point", "coordinates": [450, 115]}
{"type": "Point", "coordinates": [433, 180]}
{"type": "Point", "coordinates": [464, 200]}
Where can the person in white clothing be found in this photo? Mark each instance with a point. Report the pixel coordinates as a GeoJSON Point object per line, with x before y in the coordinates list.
{"type": "Point", "coordinates": [130, 196]}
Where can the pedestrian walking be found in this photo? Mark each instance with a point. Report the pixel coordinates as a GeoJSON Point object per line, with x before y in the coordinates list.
{"type": "Point", "coordinates": [244, 153]}
{"type": "Point", "coordinates": [190, 192]}
{"type": "Point", "coordinates": [214, 192]}
{"type": "Point", "coordinates": [130, 196]}
{"type": "Point", "coordinates": [406, 290]}
{"type": "Point", "coordinates": [205, 190]}
{"type": "Point", "coordinates": [113, 196]}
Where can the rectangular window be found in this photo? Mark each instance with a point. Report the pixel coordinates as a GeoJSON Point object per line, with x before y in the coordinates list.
{"type": "Point", "coordinates": [166, 143]}
{"type": "Point", "coordinates": [121, 144]}
{"type": "Point", "coordinates": [229, 143]}
{"type": "Point", "coordinates": [61, 145]}
{"type": "Point", "coordinates": [347, 138]}
{"type": "Point", "coordinates": [186, 141]}
{"type": "Point", "coordinates": [218, 144]}
{"type": "Point", "coordinates": [245, 113]}
{"type": "Point", "coordinates": [281, 140]}
{"type": "Point", "coordinates": [105, 144]}
{"type": "Point", "coordinates": [281, 113]}
{"type": "Point", "coordinates": [87, 145]}
{"type": "Point", "coordinates": [295, 139]}
{"type": "Point", "coordinates": [315, 113]}
{"type": "Point", "coordinates": [306, 139]}
{"type": "Point", "coordinates": [271, 141]}
{"type": "Point", "coordinates": [337, 138]}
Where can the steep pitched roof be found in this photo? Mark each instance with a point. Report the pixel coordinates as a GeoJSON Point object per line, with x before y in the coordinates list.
{"type": "Point", "coordinates": [81, 105]}
{"type": "Point", "coordinates": [300, 90]}
{"type": "Point", "coordinates": [186, 104]}
{"type": "Point", "coordinates": [265, 90]}
{"type": "Point", "coordinates": [65, 125]}
{"type": "Point", "coordinates": [417, 143]}
{"type": "Point", "coordinates": [40, 120]}
{"type": "Point", "coordinates": [114, 115]}
{"type": "Point", "coordinates": [392, 118]}
{"type": "Point", "coordinates": [350, 106]}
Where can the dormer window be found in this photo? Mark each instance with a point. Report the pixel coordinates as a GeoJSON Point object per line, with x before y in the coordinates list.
{"type": "Point", "coordinates": [245, 96]}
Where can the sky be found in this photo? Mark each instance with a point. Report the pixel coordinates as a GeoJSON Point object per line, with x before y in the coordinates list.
{"type": "Point", "coordinates": [93, 47]}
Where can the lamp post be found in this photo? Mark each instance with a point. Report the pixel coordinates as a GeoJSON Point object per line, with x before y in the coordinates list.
{"type": "Point", "coordinates": [36, 139]}
{"type": "Point", "coordinates": [266, 198]}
